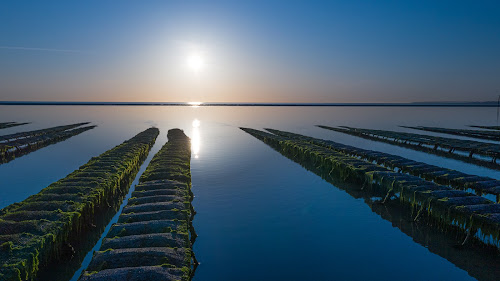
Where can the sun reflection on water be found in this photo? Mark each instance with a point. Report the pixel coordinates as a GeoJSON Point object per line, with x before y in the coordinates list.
{"type": "Point", "coordinates": [195, 138]}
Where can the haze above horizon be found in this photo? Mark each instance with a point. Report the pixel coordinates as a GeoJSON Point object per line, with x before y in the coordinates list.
{"type": "Point", "coordinates": [257, 52]}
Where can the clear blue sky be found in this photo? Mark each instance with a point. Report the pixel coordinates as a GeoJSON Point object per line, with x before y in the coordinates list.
{"type": "Point", "coordinates": [252, 51]}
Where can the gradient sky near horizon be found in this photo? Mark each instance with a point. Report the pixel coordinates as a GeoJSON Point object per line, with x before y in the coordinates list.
{"type": "Point", "coordinates": [252, 51]}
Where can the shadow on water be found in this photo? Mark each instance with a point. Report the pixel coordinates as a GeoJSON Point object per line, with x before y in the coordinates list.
{"type": "Point", "coordinates": [480, 261]}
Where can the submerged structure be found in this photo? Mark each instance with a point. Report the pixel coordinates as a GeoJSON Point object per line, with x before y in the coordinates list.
{"type": "Point", "coordinates": [39, 230]}
{"type": "Point", "coordinates": [18, 144]}
{"type": "Point", "coordinates": [154, 235]}
{"type": "Point", "coordinates": [447, 208]}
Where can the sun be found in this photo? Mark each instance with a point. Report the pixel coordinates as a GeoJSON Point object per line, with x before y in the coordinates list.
{"type": "Point", "coordinates": [195, 62]}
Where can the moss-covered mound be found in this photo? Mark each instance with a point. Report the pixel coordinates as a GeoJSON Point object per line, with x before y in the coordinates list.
{"type": "Point", "coordinates": [450, 208]}
{"type": "Point", "coordinates": [38, 230]}
{"type": "Point", "coordinates": [153, 237]}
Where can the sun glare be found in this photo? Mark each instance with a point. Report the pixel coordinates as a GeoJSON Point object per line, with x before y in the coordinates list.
{"type": "Point", "coordinates": [195, 62]}
{"type": "Point", "coordinates": [195, 103]}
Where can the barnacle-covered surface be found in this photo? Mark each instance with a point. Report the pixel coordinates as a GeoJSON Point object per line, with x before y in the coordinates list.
{"type": "Point", "coordinates": [465, 150]}
{"type": "Point", "coordinates": [450, 208]}
{"type": "Point", "coordinates": [18, 144]}
{"type": "Point", "coordinates": [5, 125]}
{"type": "Point", "coordinates": [37, 231]}
{"type": "Point", "coordinates": [153, 237]}
{"type": "Point", "coordinates": [478, 134]}
{"type": "Point", "coordinates": [445, 176]}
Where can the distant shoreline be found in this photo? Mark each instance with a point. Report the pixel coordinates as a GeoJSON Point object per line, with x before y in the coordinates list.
{"type": "Point", "coordinates": [416, 104]}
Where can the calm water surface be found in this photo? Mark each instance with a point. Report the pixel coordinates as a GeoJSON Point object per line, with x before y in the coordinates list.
{"type": "Point", "coordinates": [260, 216]}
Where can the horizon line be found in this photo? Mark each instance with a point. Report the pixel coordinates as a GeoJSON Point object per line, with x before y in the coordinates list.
{"type": "Point", "coordinates": [409, 104]}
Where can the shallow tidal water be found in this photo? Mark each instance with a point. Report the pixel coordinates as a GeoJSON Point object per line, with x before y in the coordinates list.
{"type": "Point", "coordinates": [261, 216]}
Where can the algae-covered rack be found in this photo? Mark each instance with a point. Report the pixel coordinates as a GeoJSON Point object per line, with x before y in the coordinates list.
{"type": "Point", "coordinates": [445, 176]}
{"type": "Point", "coordinates": [18, 144]}
{"type": "Point", "coordinates": [153, 237]}
{"type": "Point", "coordinates": [5, 125]}
{"type": "Point", "coordinates": [37, 231]}
{"type": "Point", "coordinates": [450, 208]}
{"type": "Point", "coordinates": [478, 134]}
{"type": "Point", "coordinates": [480, 153]}
{"type": "Point", "coordinates": [486, 127]}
